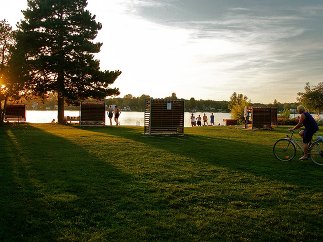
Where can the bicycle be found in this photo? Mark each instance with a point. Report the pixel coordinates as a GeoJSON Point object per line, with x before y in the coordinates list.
{"type": "Point", "coordinates": [285, 149]}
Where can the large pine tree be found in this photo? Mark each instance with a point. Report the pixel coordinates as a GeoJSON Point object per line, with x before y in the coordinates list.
{"type": "Point", "coordinates": [56, 39]}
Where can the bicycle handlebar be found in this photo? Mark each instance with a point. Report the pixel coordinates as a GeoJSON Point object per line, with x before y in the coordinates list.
{"type": "Point", "coordinates": [292, 132]}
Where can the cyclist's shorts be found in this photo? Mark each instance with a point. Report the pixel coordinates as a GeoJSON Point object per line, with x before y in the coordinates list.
{"type": "Point", "coordinates": [308, 135]}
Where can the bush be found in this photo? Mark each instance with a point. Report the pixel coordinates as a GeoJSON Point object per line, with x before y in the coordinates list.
{"type": "Point", "coordinates": [287, 121]}
{"type": "Point", "coordinates": [293, 121]}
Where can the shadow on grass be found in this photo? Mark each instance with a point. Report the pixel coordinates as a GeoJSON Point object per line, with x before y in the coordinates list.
{"type": "Point", "coordinates": [52, 189]}
{"type": "Point", "coordinates": [62, 189]}
{"type": "Point", "coordinates": [238, 155]}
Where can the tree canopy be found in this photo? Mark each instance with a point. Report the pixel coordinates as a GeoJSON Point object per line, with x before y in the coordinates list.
{"type": "Point", "coordinates": [10, 84]}
{"type": "Point", "coordinates": [55, 40]}
{"type": "Point", "coordinates": [312, 97]}
{"type": "Point", "coordinates": [237, 104]}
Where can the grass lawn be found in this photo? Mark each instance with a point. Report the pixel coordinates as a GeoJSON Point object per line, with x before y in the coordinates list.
{"type": "Point", "coordinates": [115, 184]}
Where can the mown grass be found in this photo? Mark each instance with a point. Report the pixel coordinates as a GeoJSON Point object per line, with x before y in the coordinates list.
{"type": "Point", "coordinates": [115, 184]}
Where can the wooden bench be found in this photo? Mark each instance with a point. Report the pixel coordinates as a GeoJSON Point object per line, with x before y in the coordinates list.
{"type": "Point", "coordinates": [15, 113]}
{"type": "Point", "coordinates": [70, 119]}
{"type": "Point", "coordinates": [230, 122]}
{"type": "Point", "coordinates": [14, 118]}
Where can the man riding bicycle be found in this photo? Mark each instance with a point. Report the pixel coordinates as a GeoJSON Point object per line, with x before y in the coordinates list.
{"type": "Point", "coordinates": [311, 128]}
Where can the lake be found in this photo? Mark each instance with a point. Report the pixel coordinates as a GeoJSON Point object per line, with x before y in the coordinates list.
{"type": "Point", "coordinates": [126, 118]}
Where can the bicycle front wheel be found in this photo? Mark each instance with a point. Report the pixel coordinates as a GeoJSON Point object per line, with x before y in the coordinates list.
{"type": "Point", "coordinates": [316, 152]}
{"type": "Point", "coordinates": [284, 150]}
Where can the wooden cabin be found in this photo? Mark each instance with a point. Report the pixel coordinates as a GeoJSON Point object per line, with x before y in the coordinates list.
{"type": "Point", "coordinates": [262, 117]}
{"type": "Point", "coordinates": [92, 114]}
{"type": "Point", "coordinates": [164, 117]}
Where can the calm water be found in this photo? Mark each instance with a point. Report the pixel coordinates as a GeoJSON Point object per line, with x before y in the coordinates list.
{"type": "Point", "coordinates": [126, 118]}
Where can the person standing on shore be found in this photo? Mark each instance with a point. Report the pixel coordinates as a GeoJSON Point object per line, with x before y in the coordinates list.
{"type": "Point", "coordinates": [199, 120]}
{"type": "Point", "coordinates": [212, 119]}
{"type": "Point", "coordinates": [193, 120]}
{"type": "Point", "coordinates": [311, 128]}
{"type": "Point", "coordinates": [110, 114]}
{"type": "Point", "coordinates": [205, 123]}
{"type": "Point", "coordinates": [116, 115]}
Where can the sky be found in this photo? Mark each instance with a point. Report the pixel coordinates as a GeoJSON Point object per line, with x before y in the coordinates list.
{"type": "Point", "coordinates": [207, 49]}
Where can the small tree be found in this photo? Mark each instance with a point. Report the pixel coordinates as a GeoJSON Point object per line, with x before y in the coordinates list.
{"type": "Point", "coordinates": [172, 97]}
{"type": "Point", "coordinates": [312, 98]}
{"type": "Point", "coordinates": [285, 114]}
{"type": "Point", "coordinates": [237, 104]}
{"type": "Point", "coordinates": [56, 41]}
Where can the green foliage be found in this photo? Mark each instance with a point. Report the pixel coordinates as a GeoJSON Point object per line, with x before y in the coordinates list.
{"type": "Point", "coordinates": [129, 101]}
{"type": "Point", "coordinates": [285, 114]}
{"type": "Point", "coordinates": [173, 96]}
{"type": "Point", "coordinates": [287, 121]}
{"type": "Point", "coordinates": [56, 39]}
{"type": "Point", "coordinates": [312, 97]}
{"type": "Point", "coordinates": [64, 183]}
{"type": "Point", "coordinates": [237, 105]}
{"type": "Point", "coordinates": [280, 106]}
{"type": "Point", "coordinates": [191, 105]}
{"type": "Point", "coordinates": [320, 122]}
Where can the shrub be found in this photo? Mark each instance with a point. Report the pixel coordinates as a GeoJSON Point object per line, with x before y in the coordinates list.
{"type": "Point", "coordinates": [287, 121]}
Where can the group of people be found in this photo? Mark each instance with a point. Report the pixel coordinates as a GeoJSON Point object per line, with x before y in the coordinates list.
{"type": "Point", "coordinates": [198, 120]}
{"type": "Point", "coordinates": [114, 111]}
{"type": "Point", "coordinates": [305, 119]}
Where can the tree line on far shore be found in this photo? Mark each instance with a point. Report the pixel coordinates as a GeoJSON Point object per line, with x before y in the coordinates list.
{"type": "Point", "coordinates": [132, 103]}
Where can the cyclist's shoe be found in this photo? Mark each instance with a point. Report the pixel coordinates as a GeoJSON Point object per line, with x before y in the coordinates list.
{"type": "Point", "coordinates": [304, 158]}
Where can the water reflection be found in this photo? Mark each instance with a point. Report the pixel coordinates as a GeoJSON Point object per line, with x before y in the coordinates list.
{"type": "Point", "coordinates": [126, 118]}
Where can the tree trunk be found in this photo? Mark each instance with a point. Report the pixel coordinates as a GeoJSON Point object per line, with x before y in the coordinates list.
{"type": "Point", "coordinates": [61, 98]}
{"type": "Point", "coordinates": [1, 114]}
{"type": "Point", "coordinates": [3, 110]}
{"type": "Point", "coordinates": [60, 113]}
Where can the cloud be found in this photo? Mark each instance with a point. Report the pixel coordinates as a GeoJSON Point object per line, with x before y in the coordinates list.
{"type": "Point", "coordinates": [243, 47]}
{"type": "Point", "coordinates": [314, 10]}
{"type": "Point", "coordinates": [210, 48]}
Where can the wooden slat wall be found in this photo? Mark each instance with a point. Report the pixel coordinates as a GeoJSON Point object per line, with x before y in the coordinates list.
{"type": "Point", "coordinates": [229, 122]}
{"type": "Point", "coordinates": [261, 117]}
{"type": "Point", "coordinates": [92, 114]}
{"type": "Point", "coordinates": [16, 111]}
{"type": "Point", "coordinates": [147, 117]}
{"type": "Point", "coordinates": [160, 120]}
{"type": "Point", "coordinates": [274, 116]}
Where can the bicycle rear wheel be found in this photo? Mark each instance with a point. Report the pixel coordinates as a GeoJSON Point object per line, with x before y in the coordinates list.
{"type": "Point", "coordinates": [316, 152]}
{"type": "Point", "coordinates": [284, 150]}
